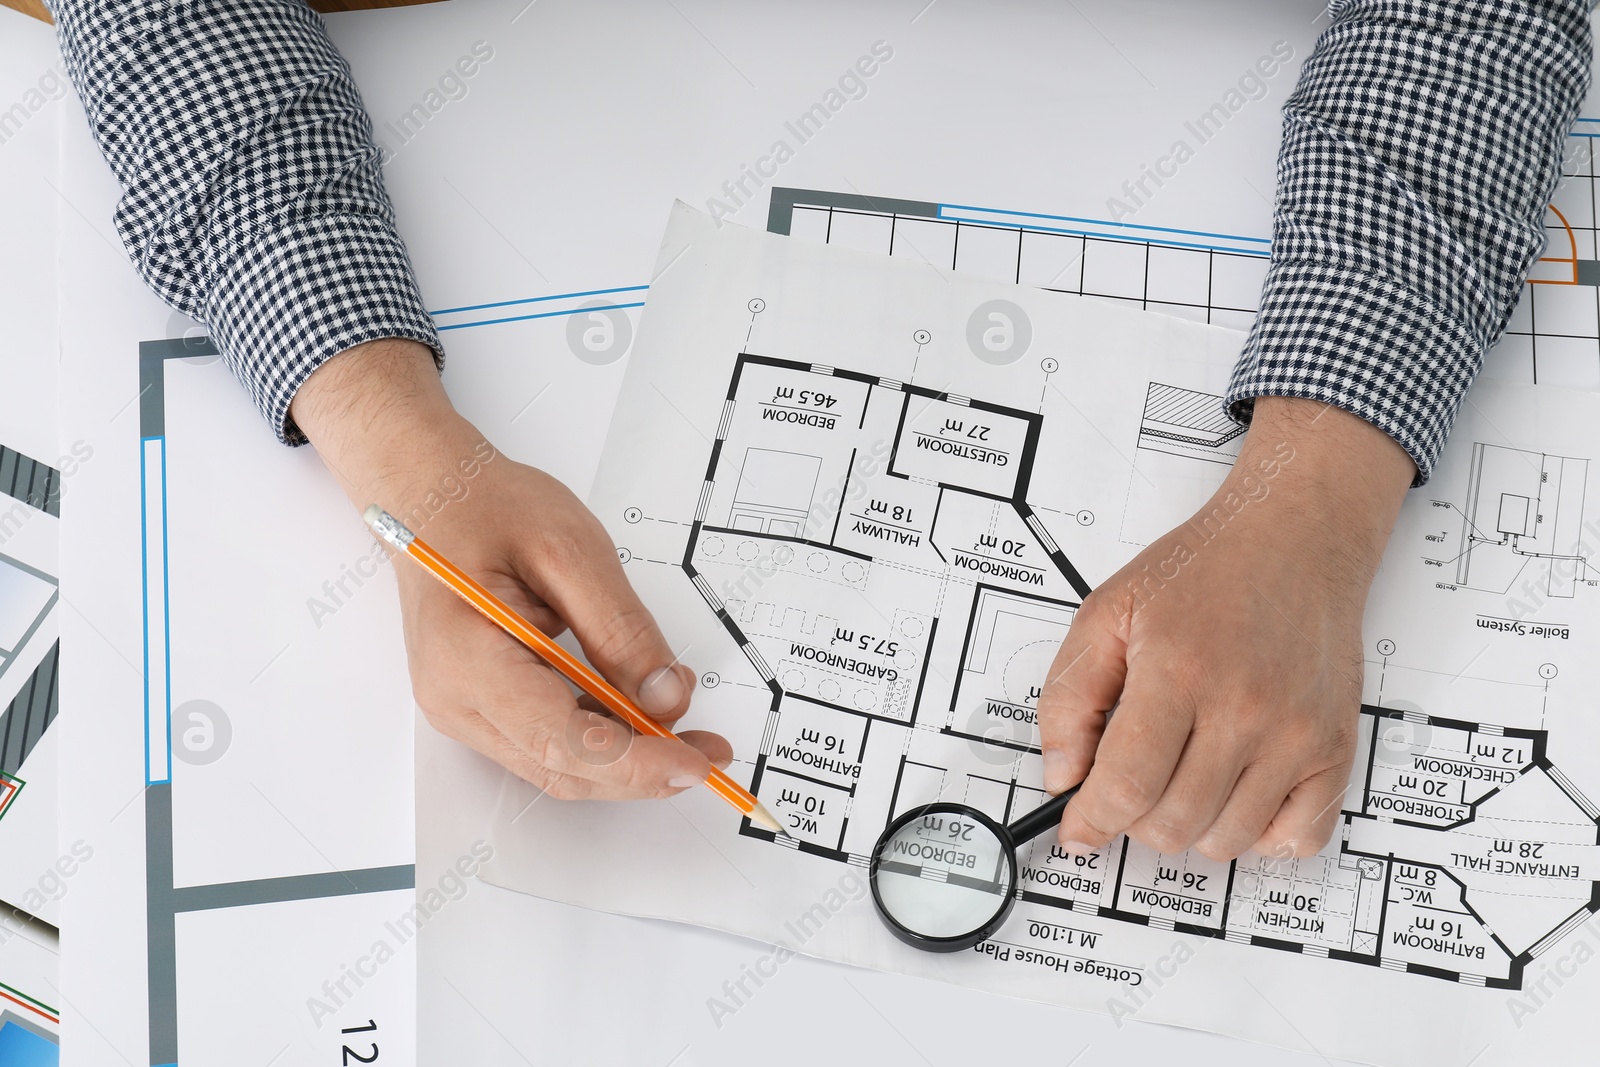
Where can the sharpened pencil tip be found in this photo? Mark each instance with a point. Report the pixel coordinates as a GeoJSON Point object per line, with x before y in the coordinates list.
{"type": "Point", "coordinates": [763, 818]}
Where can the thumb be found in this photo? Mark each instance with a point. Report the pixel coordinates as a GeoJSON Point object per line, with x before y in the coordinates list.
{"type": "Point", "coordinates": [1084, 683]}
{"type": "Point", "coordinates": [591, 594]}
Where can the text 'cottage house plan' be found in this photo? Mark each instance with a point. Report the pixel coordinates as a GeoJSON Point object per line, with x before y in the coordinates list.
{"type": "Point", "coordinates": [869, 545]}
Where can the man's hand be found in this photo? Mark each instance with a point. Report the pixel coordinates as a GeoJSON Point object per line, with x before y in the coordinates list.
{"type": "Point", "coordinates": [1231, 651]}
{"type": "Point", "coordinates": [383, 425]}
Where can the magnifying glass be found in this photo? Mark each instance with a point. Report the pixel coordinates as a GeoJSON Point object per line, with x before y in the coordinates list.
{"type": "Point", "coordinates": [944, 876]}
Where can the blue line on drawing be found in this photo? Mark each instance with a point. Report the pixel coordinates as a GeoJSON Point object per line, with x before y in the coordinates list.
{"type": "Point", "coordinates": [541, 315]}
{"type": "Point", "coordinates": [166, 625]}
{"type": "Point", "coordinates": [166, 610]}
{"type": "Point", "coordinates": [1120, 226]}
{"type": "Point", "coordinates": [943, 208]}
{"type": "Point", "coordinates": [144, 587]}
{"type": "Point", "coordinates": [1167, 242]}
{"type": "Point", "coordinates": [538, 299]}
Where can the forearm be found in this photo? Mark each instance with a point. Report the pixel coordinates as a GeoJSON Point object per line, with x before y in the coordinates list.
{"type": "Point", "coordinates": [1333, 481]}
{"type": "Point", "coordinates": [379, 418]}
{"type": "Point", "coordinates": [1420, 149]}
{"type": "Point", "coordinates": [253, 199]}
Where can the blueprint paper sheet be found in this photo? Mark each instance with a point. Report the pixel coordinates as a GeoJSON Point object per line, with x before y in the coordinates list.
{"type": "Point", "coordinates": [877, 649]}
{"type": "Point", "coordinates": [491, 217]}
{"type": "Point", "coordinates": [244, 777]}
{"type": "Point", "coordinates": [999, 72]}
{"type": "Point", "coordinates": [33, 467]}
{"type": "Point", "coordinates": [477, 205]}
{"type": "Point", "coordinates": [32, 485]}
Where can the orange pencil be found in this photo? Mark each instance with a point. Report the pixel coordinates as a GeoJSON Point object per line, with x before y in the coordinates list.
{"type": "Point", "coordinates": [496, 611]}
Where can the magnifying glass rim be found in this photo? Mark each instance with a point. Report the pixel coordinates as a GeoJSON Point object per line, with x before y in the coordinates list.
{"type": "Point", "coordinates": [954, 942]}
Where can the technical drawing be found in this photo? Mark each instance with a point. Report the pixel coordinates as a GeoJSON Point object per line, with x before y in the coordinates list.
{"type": "Point", "coordinates": [1208, 276]}
{"type": "Point", "coordinates": [25, 479]}
{"type": "Point", "coordinates": [846, 519]}
{"type": "Point", "coordinates": [24, 722]}
{"type": "Point", "coordinates": [869, 546]}
{"type": "Point", "coordinates": [1187, 422]}
{"type": "Point", "coordinates": [28, 716]}
{"type": "Point", "coordinates": [29, 1039]}
{"type": "Point", "coordinates": [774, 494]}
{"type": "Point", "coordinates": [30, 508]}
{"type": "Point", "coordinates": [167, 900]}
{"type": "Point", "coordinates": [1523, 509]}
{"type": "Point", "coordinates": [27, 595]}
{"type": "Point", "coordinates": [1216, 277]}
{"type": "Point", "coordinates": [10, 786]}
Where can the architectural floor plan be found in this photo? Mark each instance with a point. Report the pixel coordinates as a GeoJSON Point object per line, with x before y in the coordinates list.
{"type": "Point", "coordinates": [30, 675]}
{"type": "Point", "coordinates": [869, 545]}
{"type": "Point", "coordinates": [1441, 815]}
{"type": "Point", "coordinates": [875, 559]}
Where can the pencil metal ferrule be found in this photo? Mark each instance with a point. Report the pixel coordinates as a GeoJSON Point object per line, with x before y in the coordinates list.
{"type": "Point", "coordinates": [388, 527]}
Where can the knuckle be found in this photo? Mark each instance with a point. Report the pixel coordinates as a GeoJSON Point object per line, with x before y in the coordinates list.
{"type": "Point", "coordinates": [1089, 829]}
{"type": "Point", "coordinates": [641, 779]}
{"type": "Point", "coordinates": [1094, 605]}
{"type": "Point", "coordinates": [1260, 713]}
{"type": "Point", "coordinates": [1121, 792]}
{"type": "Point", "coordinates": [1191, 676]}
{"type": "Point", "coordinates": [626, 639]}
{"type": "Point", "coordinates": [550, 749]}
{"type": "Point", "coordinates": [1164, 836]}
{"type": "Point", "coordinates": [597, 740]}
{"type": "Point", "coordinates": [1102, 613]}
{"type": "Point", "coordinates": [1290, 843]}
{"type": "Point", "coordinates": [564, 786]}
{"type": "Point", "coordinates": [1307, 842]}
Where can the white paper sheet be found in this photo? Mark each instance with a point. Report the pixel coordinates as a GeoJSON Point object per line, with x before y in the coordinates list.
{"type": "Point", "coordinates": [550, 178]}
{"type": "Point", "coordinates": [32, 487]}
{"type": "Point", "coordinates": [239, 763]}
{"type": "Point", "coordinates": [792, 419]}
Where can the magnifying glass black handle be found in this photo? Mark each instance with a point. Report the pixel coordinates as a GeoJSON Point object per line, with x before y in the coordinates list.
{"type": "Point", "coordinates": [1040, 819]}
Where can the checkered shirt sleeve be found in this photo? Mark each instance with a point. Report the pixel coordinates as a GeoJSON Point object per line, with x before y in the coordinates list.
{"type": "Point", "coordinates": [252, 196]}
{"type": "Point", "coordinates": [1420, 149]}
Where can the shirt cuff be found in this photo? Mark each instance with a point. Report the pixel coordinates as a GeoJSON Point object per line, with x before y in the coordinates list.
{"type": "Point", "coordinates": [306, 292]}
{"type": "Point", "coordinates": [1361, 343]}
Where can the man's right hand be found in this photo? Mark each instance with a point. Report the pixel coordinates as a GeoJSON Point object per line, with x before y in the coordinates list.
{"type": "Point", "coordinates": [1231, 651]}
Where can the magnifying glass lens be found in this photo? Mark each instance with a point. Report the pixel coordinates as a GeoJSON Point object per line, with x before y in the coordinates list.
{"type": "Point", "coordinates": [944, 874]}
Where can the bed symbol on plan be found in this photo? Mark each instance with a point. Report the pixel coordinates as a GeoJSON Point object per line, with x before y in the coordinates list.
{"type": "Point", "coordinates": [851, 530]}
{"type": "Point", "coordinates": [774, 492]}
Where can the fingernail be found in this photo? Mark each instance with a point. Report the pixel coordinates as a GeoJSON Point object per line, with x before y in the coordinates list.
{"type": "Point", "coordinates": [661, 691]}
{"type": "Point", "coordinates": [1055, 770]}
{"type": "Point", "coordinates": [722, 764]}
{"type": "Point", "coordinates": [684, 781]}
{"type": "Point", "coordinates": [1076, 848]}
